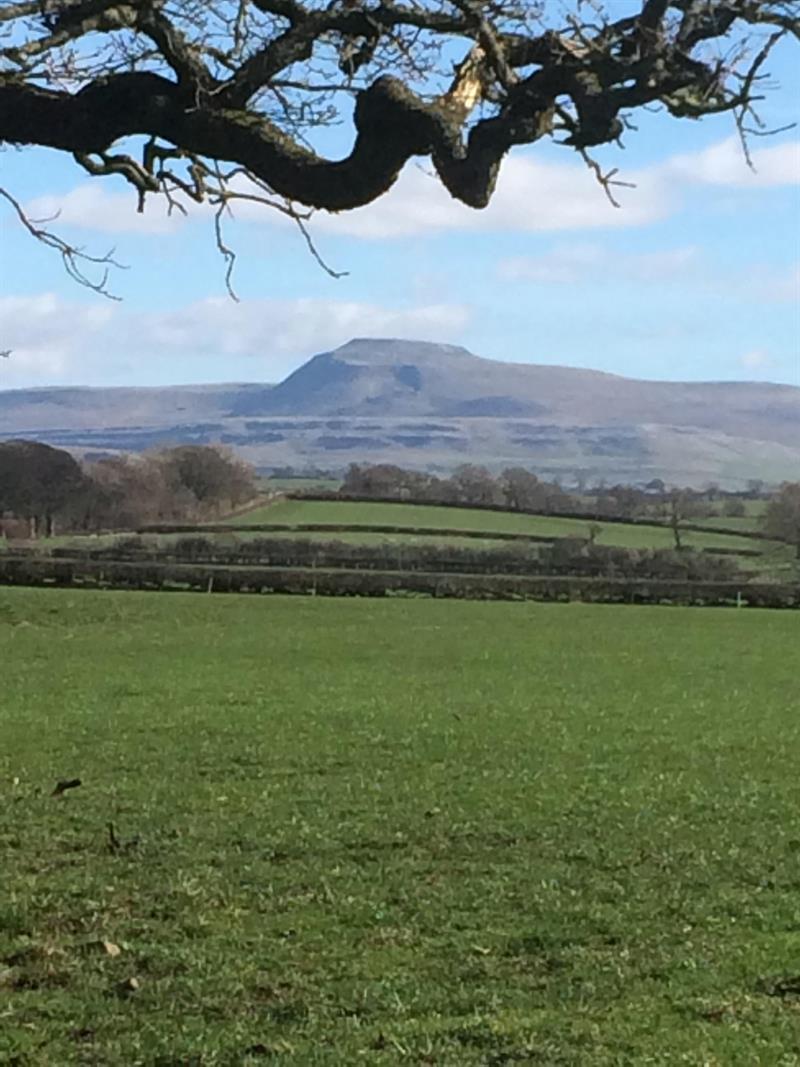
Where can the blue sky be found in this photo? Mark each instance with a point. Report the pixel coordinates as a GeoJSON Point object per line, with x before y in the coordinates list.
{"type": "Point", "coordinates": [695, 276]}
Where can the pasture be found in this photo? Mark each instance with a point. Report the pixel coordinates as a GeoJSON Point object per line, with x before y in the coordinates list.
{"type": "Point", "coordinates": [762, 558]}
{"type": "Point", "coordinates": [625, 535]}
{"type": "Point", "coordinates": [343, 831]}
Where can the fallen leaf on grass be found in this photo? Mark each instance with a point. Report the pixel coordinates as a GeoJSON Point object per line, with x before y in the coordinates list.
{"type": "Point", "coordinates": [112, 949]}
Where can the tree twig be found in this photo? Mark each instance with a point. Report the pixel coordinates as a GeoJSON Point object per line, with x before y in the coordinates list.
{"type": "Point", "coordinates": [72, 256]}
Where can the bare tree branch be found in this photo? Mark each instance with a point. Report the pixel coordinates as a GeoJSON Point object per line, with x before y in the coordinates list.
{"type": "Point", "coordinates": [244, 85]}
{"type": "Point", "coordinates": [75, 259]}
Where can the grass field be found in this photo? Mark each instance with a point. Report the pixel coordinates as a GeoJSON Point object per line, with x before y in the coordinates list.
{"type": "Point", "coordinates": [399, 832]}
{"type": "Point", "coordinates": [777, 557]}
{"type": "Point", "coordinates": [300, 484]}
{"type": "Point", "coordinates": [743, 524]}
{"type": "Point", "coordinates": [348, 512]}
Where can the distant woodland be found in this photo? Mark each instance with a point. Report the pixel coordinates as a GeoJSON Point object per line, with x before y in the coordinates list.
{"type": "Point", "coordinates": [45, 490]}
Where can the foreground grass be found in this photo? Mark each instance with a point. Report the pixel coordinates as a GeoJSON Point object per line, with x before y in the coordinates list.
{"type": "Point", "coordinates": [409, 831]}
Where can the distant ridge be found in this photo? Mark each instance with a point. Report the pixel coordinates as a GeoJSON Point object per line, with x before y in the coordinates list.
{"type": "Point", "coordinates": [432, 405]}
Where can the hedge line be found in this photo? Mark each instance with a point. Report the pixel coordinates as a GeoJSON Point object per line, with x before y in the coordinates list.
{"type": "Point", "coordinates": [341, 527]}
{"type": "Point", "coordinates": [565, 556]}
{"type": "Point", "coordinates": [181, 576]}
{"type": "Point", "coordinates": [406, 531]}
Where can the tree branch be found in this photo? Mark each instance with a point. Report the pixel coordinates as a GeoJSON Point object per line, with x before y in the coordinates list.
{"type": "Point", "coordinates": [73, 257]}
{"type": "Point", "coordinates": [239, 83]}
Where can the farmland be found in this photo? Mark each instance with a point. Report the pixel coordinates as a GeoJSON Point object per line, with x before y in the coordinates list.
{"type": "Point", "coordinates": [315, 546]}
{"type": "Point", "coordinates": [413, 515]}
{"type": "Point", "coordinates": [390, 832]}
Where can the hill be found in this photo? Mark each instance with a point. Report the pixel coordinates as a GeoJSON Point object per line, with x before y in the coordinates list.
{"type": "Point", "coordinates": [434, 406]}
{"type": "Point", "coordinates": [394, 378]}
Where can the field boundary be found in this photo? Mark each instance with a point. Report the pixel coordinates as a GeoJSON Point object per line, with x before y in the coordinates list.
{"type": "Point", "coordinates": [436, 556]}
{"type": "Point", "coordinates": [406, 531]}
{"type": "Point", "coordinates": [28, 571]}
{"type": "Point", "coordinates": [339, 527]}
{"type": "Point", "coordinates": [264, 500]}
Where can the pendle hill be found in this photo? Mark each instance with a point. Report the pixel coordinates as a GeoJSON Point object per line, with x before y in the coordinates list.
{"type": "Point", "coordinates": [434, 406]}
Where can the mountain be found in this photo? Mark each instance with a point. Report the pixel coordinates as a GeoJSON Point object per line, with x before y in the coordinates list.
{"type": "Point", "coordinates": [400, 379]}
{"type": "Point", "coordinates": [431, 405]}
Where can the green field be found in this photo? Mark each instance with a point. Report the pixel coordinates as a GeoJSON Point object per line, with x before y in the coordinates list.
{"type": "Point", "coordinates": [775, 559]}
{"type": "Point", "coordinates": [396, 832]}
{"type": "Point", "coordinates": [744, 524]}
{"type": "Point", "coordinates": [302, 484]}
{"type": "Point", "coordinates": [367, 514]}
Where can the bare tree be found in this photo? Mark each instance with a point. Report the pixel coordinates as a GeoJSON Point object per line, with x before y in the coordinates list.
{"type": "Point", "coordinates": [734, 508]}
{"type": "Point", "coordinates": [223, 98]}
{"type": "Point", "coordinates": [679, 511]}
{"type": "Point", "coordinates": [782, 515]}
{"type": "Point", "coordinates": [475, 485]}
{"type": "Point", "coordinates": [190, 482]}
{"type": "Point", "coordinates": [521, 488]}
{"type": "Point", "coordinates": [215, 478]}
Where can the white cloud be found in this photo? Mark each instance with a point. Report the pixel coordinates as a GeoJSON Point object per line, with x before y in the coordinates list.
{"type": "Point", "coordinates": [724, 164]}
{"type": "Point", "coordinates": [598, 265]}
{"type": "Point", "coordinates": [92, 206]}
{"type": "Point", "coordinates": [755, 359]}
{"type": "Point", "coordinates": [220, 326]}
{"type": "Point", "coordinates": [532, 196]}
{"type": "Point", "coordinates": [54, 341]}
{"type": "Point", "coordinates": [574, 263]}
{"type": "Point", "coordinates": [44, 333]}
{"type": "Point", "coordinates": [537, 196]}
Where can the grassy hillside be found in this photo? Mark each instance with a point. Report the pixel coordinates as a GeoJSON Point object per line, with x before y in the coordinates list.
{"type": "Point", "coordinates": [346, 512]}
{"type": "Point", "coordinates": [422, 832]}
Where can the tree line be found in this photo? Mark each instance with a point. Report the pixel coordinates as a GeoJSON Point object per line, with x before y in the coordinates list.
{"type": "Point", "coordinates": [515, 488]}
{"type": "Point", "coordinates": [521, 490]}
{"type": "Point", "coordinates": [44, 490]}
